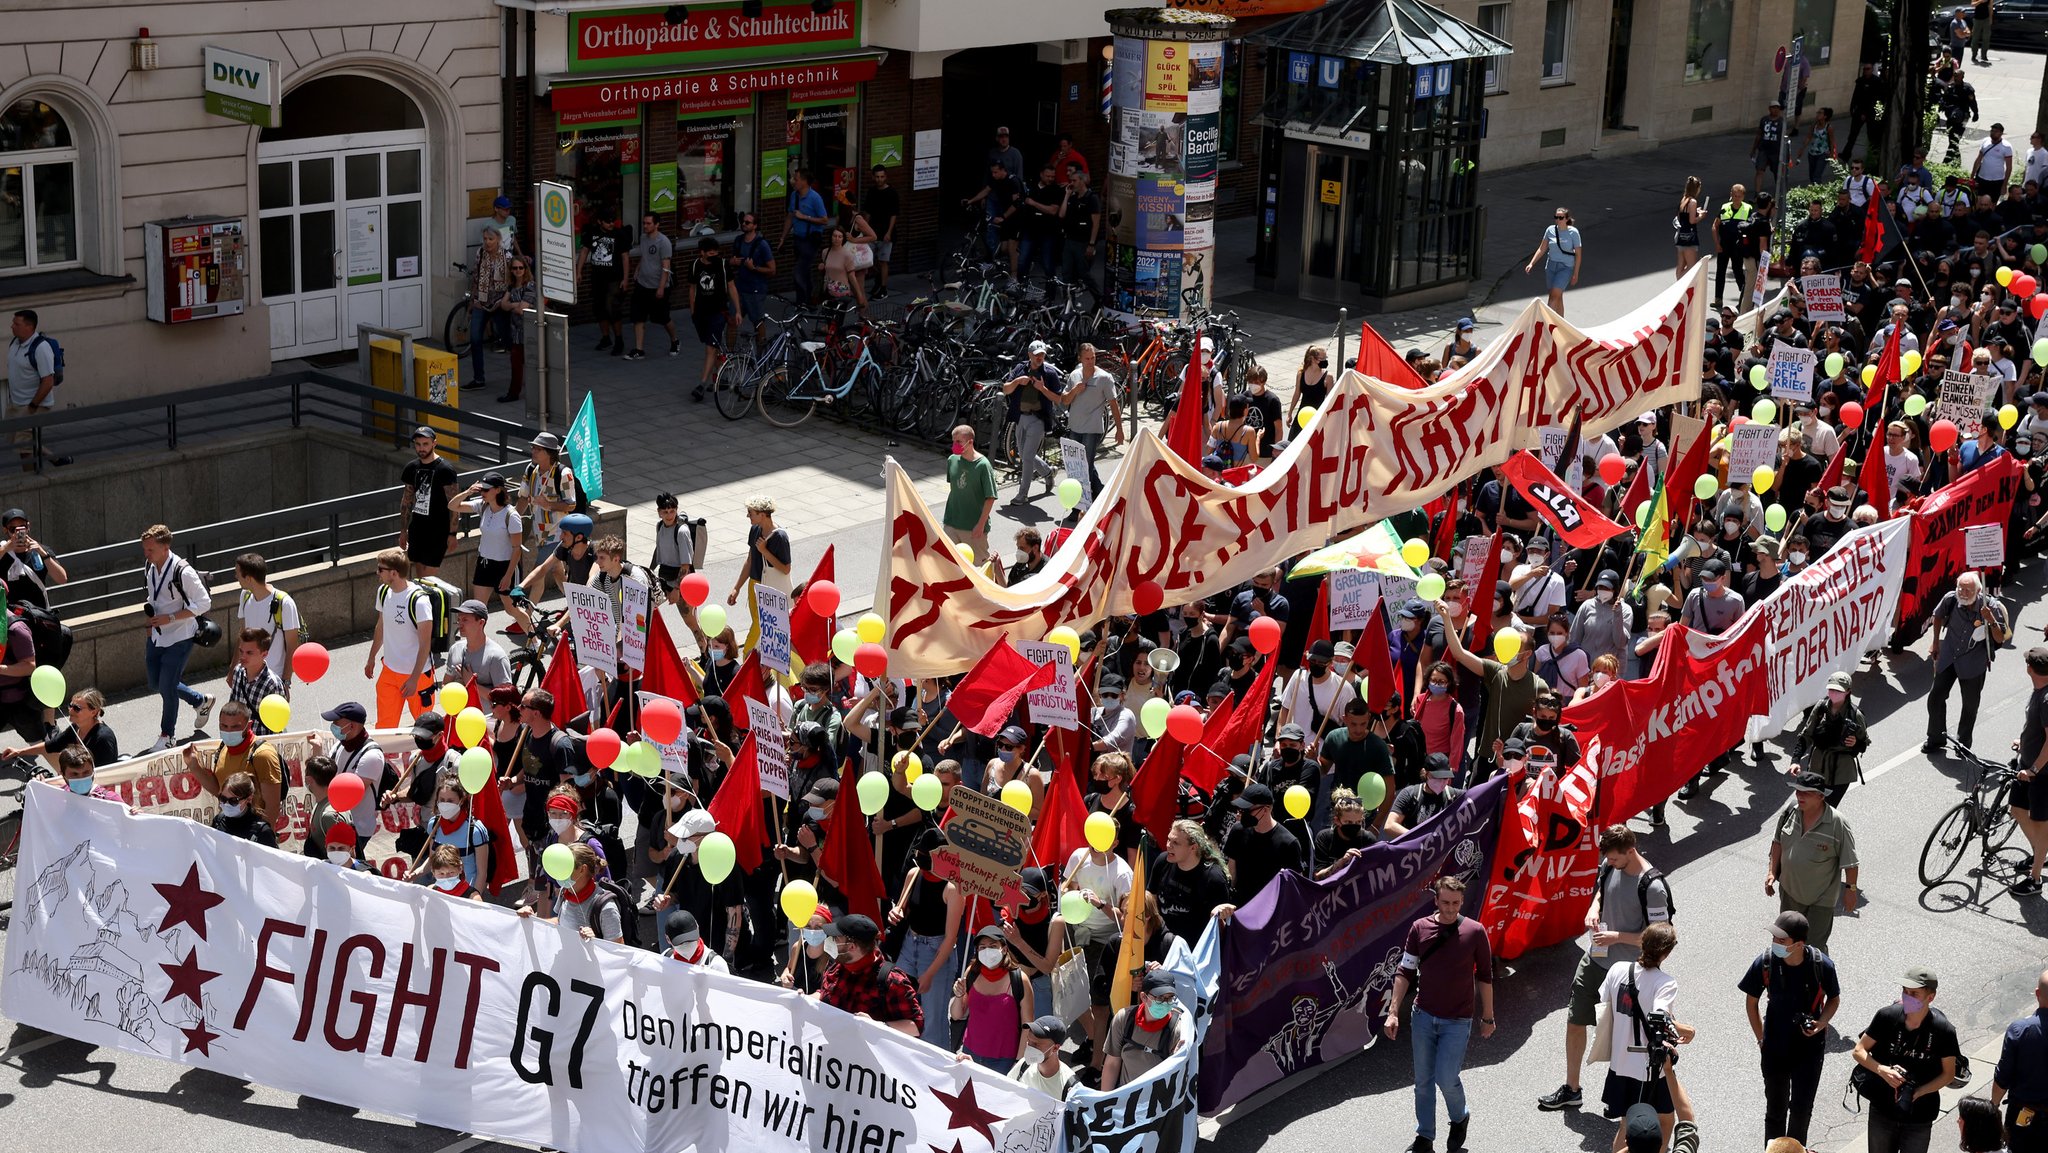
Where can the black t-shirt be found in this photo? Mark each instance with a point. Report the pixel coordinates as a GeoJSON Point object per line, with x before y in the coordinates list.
{"type": "Point", "coordinates": [1002, 194]}
{"type": "Point", "coordinates": [1259, 857]}
{"type": "Point", "coordinates": [1187, 896]}
{"type": "Point", "coordinates": [1790, 992]}
{"type": "Point", "coordinates": [778, 544]}
{"type": "Point", "coordinates": [1269, 420]}
{"type": "Point", "coordinates": [1081, 211]}
{"type": "Point", "coordinates": [1918, 1051]}
{"type": "Point", "coordinates": [1039, 221]}
{"type": "Point", "coordinates": [711, 277]}
{"type": "Point", "coordinates": [603, 244]}
{"type": "Point", "coordinates": [1416, 804]}
{"type": "Point", "coordinates": [427, 484]}
{"type": "Point", "coordinates": [1330, 846]}
{"type": "Point", "coordinates": [100, 743]}
{"type": "Point", "coordinates": [882, 205]}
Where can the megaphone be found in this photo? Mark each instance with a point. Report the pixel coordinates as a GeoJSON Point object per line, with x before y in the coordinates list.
{"type": "Point", "coordinates": [1163, 661]}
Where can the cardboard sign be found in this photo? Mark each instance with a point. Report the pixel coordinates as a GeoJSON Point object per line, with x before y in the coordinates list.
{"type": "Point", "coordinates": [1058, 703]}
{"type": "Point", "coordinates": [1753, 446]}
{"type": "Point", "coordinates": [986, 842]}
{"type": "Point", "coordinates": [1963, 397]}
{"type": "Point", "coordinates": [1823, 296]}
{"type": "Point", "coordinates": [633, 630]}
{"type": "Point", "coordinates": [771, 634]}
{"type": "Point", "coordinates": [1074, 462]}
{"type": "Point", "coordinates": [1353, 593]}
{"type": "Point", "coordinates": [591, 623]}
{"type": "Point", "coordinates": [675, 758]}
{"type": "Point", "coordinates": [771, 752]}
{"type": "Point", "coordinates": [1984, 545]}
{"type": "Point", "coordinates": [1791, 372]}
{"type": "Point", "coordinates": [1396, 590]}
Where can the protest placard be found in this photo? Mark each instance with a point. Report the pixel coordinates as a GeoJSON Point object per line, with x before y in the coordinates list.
{"type": "Point", "coordinates": [1396, 590]}
{"type": "Point", "coordinates": [1753, 446]}
{"type": "Point", "coordinates": [1963, 397]}
{"type": "Point", "coordinates": [1823, 296]}
{"type": "Point", "coordinates": [771, 753]}
{"type": "Point", "coordinates": [986, 841]}
{"type": "Point", "coordinates": [1058, 703]}
{"type": "Point", "coordinates": [771, 638]}
{"type": "Point", "coordinates": [1353, 593]}
{"type": "Point", "coordinates": [1984, 545]}
{"type": "Point", "coordinates": [633, 630]}
{"type": "Point", "coordinates": [1790, 372]}
{"type": "Point", "coordinates": [591, 623]}
{"type": "Point", "coordinates": [1074, 463]}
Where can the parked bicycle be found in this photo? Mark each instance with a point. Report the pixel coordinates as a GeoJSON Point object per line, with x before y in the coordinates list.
{"type": "Point", "coordinates": [1983, 816]}
{"type": "Point", "coordinates": [455, 329]}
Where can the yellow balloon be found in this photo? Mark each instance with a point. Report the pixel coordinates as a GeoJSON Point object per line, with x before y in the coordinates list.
{"type": "Point", "coordinates": [2005, 275]}
{"type": "Point", "coordinates": [1017, 795]}
{"type": "Point", "coordinates": [799, 901]}
{"type": "Point", "coordinates": [1062, 635]}
{"type": "Point", "coordinates": [1763, 478]}
{"type": "Point", "coordinates": [452, 699]}
{"type": "Point", "coordinates": [275, 712]}
{"type": "Point", "coordinates": [966, 552]}
{"type": "Point", "coordinates": [1909, 362]}
{"type": "Point", "coordinates": [1870, 373]}
{"type": "Point", "coordinates": [1415, 553]}
{"type": "Point", "coordinates": [2008, 416]}
{"type": "Point", "coordinates": [1507, 645]}
{"type": "Point", "coordinates": [1304, 417]}
{"type": "Point", "coordinates": [870, 628]}
{"type": "Point", "coordinates": [1100, 829]}
{"type": "Point", "coordinates": [1296, 801]}
{"type": "Point", "coordinates": [912, 765]}
{"type": "Point", "coordinates": [470, 724]}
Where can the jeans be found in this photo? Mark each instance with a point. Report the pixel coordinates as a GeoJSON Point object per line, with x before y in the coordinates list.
{"type": "Point", "coordinates": [1937, 704]}
{"type": "Point", "coordinates": [1030, 435]}
{"type": "Point", "coordinates": [1888, 1135]}
{"type": "Point", "coordinates": [1790, 1081]}
{"type": "Point", "coordinates": [1721, 261]}
{"type": "Point", "coordinates": [1041, 250]}
{"type": "Point", "coordinates": [1074, 263]}
{"type": "Point", "coordinates": [479, 328]}
{"type": "Point", "coordinates": [1856, 126]}
{"type": "Point", "coordinates": [1091, 443]}
{"type": "Point", "coordinates": [164, 665]}
{"type": "Point", "coordinates": [1439, 1044]}
{"type": "Point", "coordinates": [917, 955]}
{"type": "Point", "coordinates": [805, 271]}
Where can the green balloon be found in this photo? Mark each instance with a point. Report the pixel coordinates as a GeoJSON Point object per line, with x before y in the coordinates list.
{"type": "Point", "coordinates": [1774, 518]}
{"type": "Point", "coordinates": [1152, 717]}
{"type": "Point", "coordinates": [1917, 404]}
{"type": "Point", "coordinates": [1758, 378]}
{"type": "Point", "coordinates": [646, 760]}
{"type": "Point", "coordinates": [1074, 907]}
{"type": "Point", "coordinates": [844, 642]}
{"type": "Point", "coordinates": [1705, 487]}
{"type": "Point", "coordinates": [716, 856]}
{"type": "Point", "coordinates": [2038, 253]}
{"type": "Point", "coordinates": [47, 683]}
{"type": "Point", "coordinates": [1372, 789]}
{"type": "Point", "coordinates": [474, 770]}
{"type": "Point", "coordinates": [1764, 411]}
{"type": "Point", "coordinates": [558, 862]}
{"type": "Point", "coordinates": [711, 618]}
{"type": "Point", "coordinates": [874, 792]}
{"type": "Point", "coordinates": [2041, 351]}
{"type": "Point", "coordinates": [1834, 364]}
{"type": "Point", "coordinates": [1643, 514]}
{"type": "Point", "coordinates": [1068, 492]}
{"type": "Point", "coordinates": [927, 791]}
{"type": "Point", "coordinates": [1430, 587]}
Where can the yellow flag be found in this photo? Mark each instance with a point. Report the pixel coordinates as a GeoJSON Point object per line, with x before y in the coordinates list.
{"type": "Point", "coordinates": [1130, 957]}
{"type": "Point", "coordinates": [1655, 546]}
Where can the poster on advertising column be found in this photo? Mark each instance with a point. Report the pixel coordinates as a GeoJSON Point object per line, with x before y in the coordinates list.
{"type": "Point", "coordinates": [1162, 216]}
{"type": "Point", "coordinates": [1166, 75]}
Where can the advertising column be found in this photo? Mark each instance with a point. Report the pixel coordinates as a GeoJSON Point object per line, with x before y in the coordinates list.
{"type": "Point", "coordinates": [1166, 129]}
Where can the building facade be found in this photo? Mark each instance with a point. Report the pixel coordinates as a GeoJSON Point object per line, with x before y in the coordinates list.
{"type": "Point", "coordinates": [350, 209]}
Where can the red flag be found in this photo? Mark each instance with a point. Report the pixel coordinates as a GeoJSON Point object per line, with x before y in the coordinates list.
{"type": "Point", "coordinates": [1889, 370]}
{"type": "Point", "coordinates": [1479, 601]}
{"type": "Point", "coordinates": [746, 686]}
{"type": "Point", "coordinates": [1377, 359]}
{"type": "Point", "coordinates": [564, 682]}
{"type": "Point", "coordinates": [810, 635]}
{"type": "Point", "coordinates": [1060, 826]}
{"type": "Point", "coordinates": [1873, 230]}
{"type": "Point", "coordinates": [1185, 435]}
{"type": "Point", "coordinates": [1248, 720]}
{"type": "Point", "coordinates": [1447, 528]}
{"type": "Point", "coordinates": [1871, 478]}
{"type": "Point", "coordinates": [988, 694]}
{"type": "Point", "coordinates": [1678, 486]}
{"type": "Point", "coordinates": [1639, 490]}
{"type": "Point", "coordinates": [488, 806]}
{"type": "Point", "coordinates": [1155, 792]}
{"type": "Point", "coordinates": [1319, 623]}
{"type": "Point", "coordinates": [1201, 766]}
{"type": "Point", "coordinates": [737, 807]}
{"type": "Point", "coordinates": [849, 857]}
{"type": "Point", "coordinates": [1377, 659]}
{"type": "Point", "coordinates": [665, 675]}
{"type": "Point", "coordinates": [1579, 523]}
{"type": "Point", "coordinates": [1832, 475]}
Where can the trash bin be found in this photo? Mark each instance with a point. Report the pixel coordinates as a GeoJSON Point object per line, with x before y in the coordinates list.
{"type": "Point", "coordinates": [433, 379]}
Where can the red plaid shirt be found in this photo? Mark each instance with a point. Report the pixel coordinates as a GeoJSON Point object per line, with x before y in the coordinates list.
{"type": "Point", "coordinates": [885, 995]}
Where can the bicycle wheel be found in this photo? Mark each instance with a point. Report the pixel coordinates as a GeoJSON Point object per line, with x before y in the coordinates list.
{"type": "Point", "coordinates": [10, 849]}
{"type": "Point", "coordinates": [734, 388]}
{"type": "Point", "coordinates": [526, 670]}
{"type": "Point", "coordinates": [1945, 845]}
{"type": "Point", "coordinates": [777, 408]}
{"type": "Point", "coordinates": [1998, 823]}
{"type": "Point", "coordinates": [455, 330]}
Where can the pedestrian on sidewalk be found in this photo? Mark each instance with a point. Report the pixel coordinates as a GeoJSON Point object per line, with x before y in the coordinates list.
{"type": "Point", "coordinates": [521, 294]}
{"type": "Point", "coordinates": [1032, 393]}
{"type": "Point", "coordinates": [714, 301]}
{"type": "Point", "coordinates": [1798, 991]}
{"type": "Point", "coordinates": [600, 251]}
{"type": "Point", "coordinates": [970, 493]}
{"type": "Point", "coordinates": [1770, 140]}
{"type": "Point", "coordinates": [1729, 226]}
{"type": "Point", "coordinates": [1863, 103]}
{"type": "Point", "coordinates": [1685, 228]}
{"type": "Point", "coordinates": [1981, 13]}
{"type": "Point", "coordinates": [1813, 859]}
{"type": "Point", "coordinates": [1447, 956]}
{"type": "Point", "coordinates": [1561, 251]}
{"type": "Point", "coordinates": [487, 282]}
{"type": "Point", "coordinates": [649, 271]}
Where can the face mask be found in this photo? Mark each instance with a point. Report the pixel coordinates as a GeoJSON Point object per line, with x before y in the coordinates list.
{"type": "Point", "coordinates": [831, 944]}
{"type": "Point", "coordinates": [1350, 832]}
{"type": "Point", "coordinates": [233, 740]}
{"type": "Point", "coordinates": [582, 780]}
{"type": "Point", "coordinates": [338, 734]}
{"type": "Point", "coordinates": [717, 654]}
{"type": "Point", "coordinates": [1602, 678]}
{"type": "Point", "coordinates": [814, 937]}
{"type": "Point", "coordinates": [1604, 595]}
{"type": "Point", "coordinates": [1837, 511]}
{"type": "Point", "coordinates": [1826, 411]}
{"type": "Point", "coordinates": [448, 884]}
{"type": "Point", "coordinates": [448, 810]}
{"type": "Point", "coordinates": [815, 813]}
{"type": "Point", "coordinates": [231, 810]}
{"type": "Point", "coordinates": [1437, 784]}
{"type": "Point", "coordinates": [1340, 667]}
{"type": "Point", "coordinates": [1006, 755]}
{"type": "Point", "coordinates": [1780, 951]}
{"type": "Point", "coordinates": [959, 449]}
{"type": "Point", "coordinates": [1290, 756]}
{"type": "Point", "coordinates": [1731, 527]}
{"type": "Point", "coordinates": [1796, 557]}
{"type": "Point", "coordinates": [813, 698]}
{"type": "Point", "coordinates": [80, 785]}
{"type": "Point", "coordinates": [1544, 725]}
{"type": "Point", "coordinates": [1157, 1010]}
{"type": "Point", "coordinates": [339, 856]}
{"type": "Point", "coordinates": [560, 825]}
{"type": "Point", "coordinates": [675, 802]}
{"type": "Point", "coordinates": [1438, 688]}
{"type": "Point", "coordinates": [1557, 640]}
{"type": "Point", "coordinates": [1912, 1004]}
{"type": "Point", "coordinates": [1111, 704]}
{"type": "Point", "coordinates": [989, 958]}
{"type": "Point", "coordinates": [425, 743]}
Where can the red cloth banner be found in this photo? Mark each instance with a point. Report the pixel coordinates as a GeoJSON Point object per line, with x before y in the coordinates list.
{"type": "Point", "coordinates": [1546, 861]}
{"type": "Point", "coordinates": [1691, 708]}
{"type": "Point", "coordinates": [1579, 523]}
{"type": "Point", "coordinates": [1935, 554]}
{"type": "Point", "coordinates": [1379, 360]}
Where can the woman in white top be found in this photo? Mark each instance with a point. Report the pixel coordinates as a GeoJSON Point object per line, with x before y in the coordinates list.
{"type": "Point", "coordinates": [500, 542]}
{"type": "Point", "coordinates": [1104, 881]}
{"type": "Point", "coordinates": [1628, 1067]}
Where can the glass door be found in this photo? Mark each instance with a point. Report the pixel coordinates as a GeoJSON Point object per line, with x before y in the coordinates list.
{"type": "Point", "coordinates": [343, 226]}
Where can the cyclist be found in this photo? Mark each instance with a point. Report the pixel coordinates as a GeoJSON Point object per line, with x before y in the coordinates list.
{"type": "Point", "coordinates": [568, 564]}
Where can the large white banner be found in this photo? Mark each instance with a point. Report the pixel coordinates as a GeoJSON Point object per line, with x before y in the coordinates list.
{"type": "Point", "coordinates": [1157, 1111]}
{"type": "Point", "coordinates": [1824, 619]}
{"type": "Point", "coordinates": [160, 937]}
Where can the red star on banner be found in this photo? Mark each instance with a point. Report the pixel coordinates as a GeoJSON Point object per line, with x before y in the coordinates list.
{"type": "Point", "coordinates": [188, 903]}
{"type": "Point", "coordinates": [187, 978]}
{"type": "Point", "coordinates": [964, 1112]}
{"type": "Point", "coordinates": [942, 1149]}
{"type": "Point", "coordinates": [200, 1037]}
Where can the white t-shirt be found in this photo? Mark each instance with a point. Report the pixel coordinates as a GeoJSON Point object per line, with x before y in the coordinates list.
{"type": "Point", "coordinates": [367, 763]}
{"type": "Point", "coordinates": [1026, 1073]}
{"type": "Point", "coordinates": [402, 612]}
{"type": "Point", "coordinates": [2037, 165]}
{"type": "Point", "coordinates": [1111, 882]}
{"type": "Point", "coordinates": [1899, 468]}
{"type": "Point", "coordinates": [1302, 695]}
{"type": "Point", "coordinates": [1536, 600]}
{"type": "Point", "coordinates": [496, 532]}
{"type": "Point", "coordinates": [1659, 991]}
{"type": "Point", "coordinates": [1994, 159]}
{"type": "Point", "coordinates": [258, 614]}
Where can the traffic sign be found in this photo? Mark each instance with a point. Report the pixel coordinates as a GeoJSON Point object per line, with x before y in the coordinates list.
{"type": "Point", "coordinates": [557, 242]}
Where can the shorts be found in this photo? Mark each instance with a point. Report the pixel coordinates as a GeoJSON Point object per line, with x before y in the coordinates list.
{"type": "Point", "coordinates": [1585, 1002]}
{"type": "Point", "coordinates": [428, 548]}
{"type": "Point", "coordinates": [10, 410]}
{"type": "Point", "coordinates": [605, 292]}
{"type": "Point", "coordinates": [668, 576]}
{"type": "Point", "coordinates": [710, 328]}
{"type": "Point", "coordinates": [490, 574]}
{"type": "Point", "coordinates": [882, 249]}
{"type": "Point", "coordinates": [1101, 957]}
{"type": "Point", "coordinates": [1558, 277]}
{"type": "Point", "coordinates": [1621, 1092]}
{"type": "Point", "coordinates": [649, 305]}
{"type": "Point", "coordinates": [2031, 798]}
{"type": "Point", "coordinates": [1766, 158]}
{"type": "Point", "coordinates": [753, 306]}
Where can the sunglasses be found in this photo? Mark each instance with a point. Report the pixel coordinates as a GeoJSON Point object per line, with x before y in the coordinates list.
{"type": "Point", "coordinates": [1560, 216]}
{"type": "Point", "coordinates": [76, 708]}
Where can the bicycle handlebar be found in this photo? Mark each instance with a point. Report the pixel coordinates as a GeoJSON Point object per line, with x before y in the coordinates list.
{"type": "Point", "coordinates": [1964, 751]}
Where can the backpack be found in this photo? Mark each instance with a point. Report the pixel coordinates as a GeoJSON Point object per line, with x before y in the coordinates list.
{"type": "Point", "coordinates": [276, 614]}
{"type": "Point", "coordinates": [605, 839]}
{"type": "Point", "coordinates": [441, 598]}
{"type": "Point", "coordinates": [1642, 889]}
{"type": "Point", "coordinates": [52, 636]}
{"type": "Point", "coordinates": [56, 354]}
{"type": "Point", "coordinates": [629, 917]}
{"type": "Point", "coordinates": [582, 502]}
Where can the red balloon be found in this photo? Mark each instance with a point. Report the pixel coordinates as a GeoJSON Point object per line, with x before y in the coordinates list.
{"type": "Point", "coordinates": [1184, 722]}
{"type": "Point", "coordinates": [2024, 285]}
{"type": "Point", "coordinates": [309, 661]}
{"type": "Point", "coordinates": [2038, 305]}
{"type": "Point", "coordinates": [1265, 634]}
{"type": "Point", "coordinates": [345, 792]}
{"type": "Point", "coordinates": [823, 597]}
{"type": "Point", "coordinates": [696, 588]}
{"type": "Point", "coordinates": [603, 747]}
{"type": "Point", "coordinates": [1942, 436]}
{"type": "Point", "coordinates": [1147, 597]}
{"type": "Point", "coordinates": [871, 660]}
{"type": "Point", "coordinates": [661, 721]}
{"type": "Point", "coordinates": [1612, 468]}
{"type": "Point", "coordinates": [1738, 422]}
{"type": "Point", "coordinates": [1852, 415]}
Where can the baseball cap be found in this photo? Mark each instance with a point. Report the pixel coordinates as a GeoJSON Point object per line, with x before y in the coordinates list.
{"type": "Point", "coordinates": [1608, 579]}
{"type": "Point", "coordinates": [1415, 611]}
{"type": "Point", "coordinates": [695, 823]}
{"type": "Point", "coordinates": [1032, 880]}
{"type": "Point", "coordinates": [347, 711]}
{"type": "Point", "coordinates": [1438, 765]}
{"type": "Point", "coordinates": [494, 480]}
{"type": "Point", "coordinates": [1647, 418]}
{"type": "Point", "coordinates": [14, 514]}
{"type": "Point", "coordinates": [1809, 783]}
{"type": "Point", "coordinates": [1291, 732]}
{"type": "Point", "coordinates": [1342, 649]}
{"type": "Point", "coordinates": [1920, 977]}
{"type": "Point", "coordinates": [1466, 324]}
{"type": "Point", "coordinates": [1049, 1028]}
{"type": "Point", "coordinates": [1255, 795]}
{"type": "Point", "coordinates": [1157, 981]}
{"type": "Point", "coordinates": [1013, 734]}
{"type": "Point", "coordinates": [1640, 1131]}
{"type": "Point", "coordinates": [1322, 648]}
{"type": "Point", "coordinates": [988, 932]}
{"type": "Point", "coordinates": [1840, 680]}
{"type": "Point", "coordinates": [855, 927]}
{"type": "Point", "coordinates": [1537, 544]}
{"type": "Point", "coordinates": [422, 432]}
{"type": "Point", "coordinates": [823, 790]}
{"type": "Point", "coordinates": [1038, 348]}
{"type": "Point", "coordinates": [429, 726]}
{"type": "Point", "coordinates": [1513, 747]}
{"type": "Point", "coordinates": [475, 608]}
{"type": "Point", "coordinates": [682, 927]}
{"type": "Point", "coordinates": [1791, 926]}
{"type": "Point", "coordinates": [1716, 567]}
{"type": "Point", "coordinates": [1111, 683]}
{"type": "Point", "coordinates": [502, 202]}
{"type": "Point", "coordinates": [2040, 398]}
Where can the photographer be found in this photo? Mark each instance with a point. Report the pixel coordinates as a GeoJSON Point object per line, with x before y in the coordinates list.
{"type": "Point", "coordinates": [1792, 1029]}
{"type": "Point", "coordinates": [1639, 997]}
{"type": "Point", "coordinates": [28, 568]}
{"type": "Point", "coordinates": [1904, 1058]}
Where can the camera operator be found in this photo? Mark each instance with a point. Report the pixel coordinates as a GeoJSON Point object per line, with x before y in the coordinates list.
{"type": "Point", "coordinates": [1904, 1058]}
{"type": "Point", "coordinates": [1792, 1029]}
{"type": "Point", "coordinates": [1639, 997]}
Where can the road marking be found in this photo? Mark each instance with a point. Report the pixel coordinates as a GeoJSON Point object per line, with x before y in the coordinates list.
{"type": "Point", "coordinates": [1913, 751]}
{"type": "Point", "coordinates": [459, 1146]}
{"type": "Point", "coordinates": [27, 1047]}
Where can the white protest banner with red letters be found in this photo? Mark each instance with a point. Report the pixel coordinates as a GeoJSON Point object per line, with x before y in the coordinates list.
{"type": "Point", "coordinates": [1372, 450]}
{"type": "Point", "coordinates": [1825, 618]}
{"type": "Point", "coordinates": [595, 628]}
{"type": "Point", "coordinates": [160, 937]}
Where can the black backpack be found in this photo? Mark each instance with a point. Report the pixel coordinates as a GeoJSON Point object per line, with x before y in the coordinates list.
{"type": "Point", "coordinates": [582, 502]}
{"type": "Point", "coordinates": [629, 917]}
{"type": "Point", "coordinates": [52, 636]}
{"type": "Point", "coordinates": [611, 847]}
{"type": "Point", "coordinates": [1642, 889]}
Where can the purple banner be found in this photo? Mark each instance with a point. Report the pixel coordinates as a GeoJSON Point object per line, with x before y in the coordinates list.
{"type": "Point", "coordinates": [1307, 964]}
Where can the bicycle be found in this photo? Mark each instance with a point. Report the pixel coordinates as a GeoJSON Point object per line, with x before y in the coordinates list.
{"type": "Point", "coordinates": [455, 329]}
{"type": "Point", "coordinates": [529, 655]}
{"type": "Point", "coordinates": [740, 376]}
{"type": "Point", "coordinates": [785, 404]}
{"type": "Point", "coordinates": [15, 776]}
{"type": "Point", "coordinates": [1983, 815]}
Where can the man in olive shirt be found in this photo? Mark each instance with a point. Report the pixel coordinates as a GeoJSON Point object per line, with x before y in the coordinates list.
{"type": "Point", "coordinates": [970, 493]}
{"type": "Point", "coordinates": [1510, 691]}
{"type": "Point", "coordinates": [1813, 860]}
{"type": "Point", "coordinates": [1348, 752]}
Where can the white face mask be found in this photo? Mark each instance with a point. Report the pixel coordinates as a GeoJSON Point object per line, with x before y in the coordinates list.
{"type": "Point", "coordinates": [1796, 557]}
{"type": "Point", "coordinates": [675, 802]}
{"type": "Point", "coordinates": [1557, 640]}
{"type": "Point", "coordinates": [448, 809]}
{"type": "Point", "coordinates": [448, 884]}
{"type": "Point", "coordinates": [990, 958]}
{"type": "Point", "coordinates": [560, 825]}
{"type": "Point", "coordinates": [340, 856]}
{"type": "Point", "coordinates": [231, 810]}
{"type": "Point", "coordinates": [1603, 595]}
{"type": "Point", "coordinates": [1340, 667]}
{"type": "Point", "coordinates": [1602, 678]}
{"type": "Point", "coordinates": [831, 948]}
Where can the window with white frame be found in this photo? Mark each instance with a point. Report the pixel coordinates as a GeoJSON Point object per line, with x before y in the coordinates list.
{"type": "Point", "coordinates": [1493, 20]}
{"type": "Point", "coordinates": [1557, 41]}
{"type": "Point", "coordinates": [39, 163]}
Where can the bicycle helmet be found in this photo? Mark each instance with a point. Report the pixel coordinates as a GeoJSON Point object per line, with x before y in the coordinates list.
{"type": "Point", "coordinates": [577, 524]}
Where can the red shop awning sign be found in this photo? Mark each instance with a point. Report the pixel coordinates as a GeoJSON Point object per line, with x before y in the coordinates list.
{"type": "Point", "coordinates": [727, 82]}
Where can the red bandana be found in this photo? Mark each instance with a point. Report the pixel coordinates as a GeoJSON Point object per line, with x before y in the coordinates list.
{"type": "Point", "coordinates": [578, 896]}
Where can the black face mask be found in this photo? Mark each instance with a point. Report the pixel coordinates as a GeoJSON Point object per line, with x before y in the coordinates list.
{"type": "Point", "coordinates": [1544, 725]}
{"type": "Point", "coordinates": [1290, 756]}
{"type": "Point", "coordinates": [1350, 832]}
{"type": "Point", "coordinates": [424, 743]}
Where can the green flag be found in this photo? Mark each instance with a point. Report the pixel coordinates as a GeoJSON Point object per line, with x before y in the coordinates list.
{"type": "Point", "coordinates": [586, 454]}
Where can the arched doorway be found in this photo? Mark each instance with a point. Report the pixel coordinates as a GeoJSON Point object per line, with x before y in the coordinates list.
{"type": "Point", "coordinates": [343, 212]}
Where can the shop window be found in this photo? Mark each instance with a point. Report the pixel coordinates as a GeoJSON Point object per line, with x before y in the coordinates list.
{"type": "Point", "coordinates": [603, 162]}
{"type": "Point", "coordinates": [711, 159]}
{"type": "Point", "coordinates": [1814, 22]}
{"type": "Point", "coordinates": [39, 197]}
{"type": "Point", "coordinates": [1709, 26]}
{"type": "Point", "coordinates": [820, 139]}
{"type": "Point", "coordinates": [1557, 41]}
{"type": "Point", "coordinates": [1493, 20]}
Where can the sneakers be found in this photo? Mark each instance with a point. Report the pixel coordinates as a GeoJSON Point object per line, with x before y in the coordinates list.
{"type": "Point", "coordinates": [1688, 791]}
{"type": "Point", "coordinates": [697, 394]}
{"type": "Point", "coordinates": [161, 744]}
{"type": "Point", "coordinates": [1565, 1097]}
{"type": "Point", "coordinates": [604, 344]}
{"type": "Point", "coordinates": [205, 713]}
{"type": "Point", "coordinates": [636, 354]}
{"type": "Point", "coordinates": [513, 630]}
{"type": "Point", "coordinates": [1421, 1144]}
{"type": "Point", "coordinates": [619, 347]}
{"type": "Point", "coordinates": [1930, 748]}
{"type": "Point", "coordinates": [1455, 1142]}
{"type": "Point", "coordinates": [2028, 887]}
{"type": "Point", "coordinates": [675, 348]}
